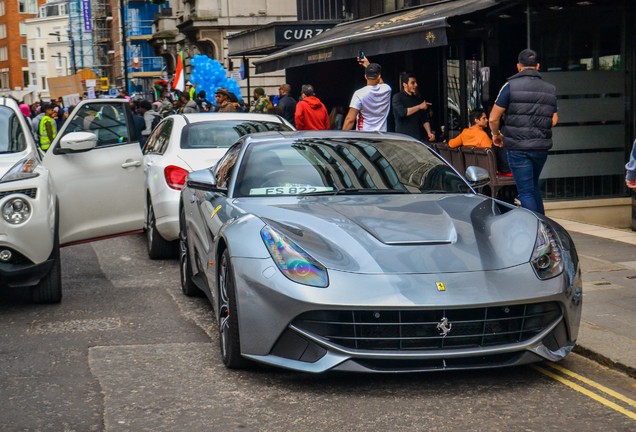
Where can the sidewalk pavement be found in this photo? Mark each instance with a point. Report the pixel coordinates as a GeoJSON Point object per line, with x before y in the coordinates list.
{"type": "Point", "coordinates": [608, 264]}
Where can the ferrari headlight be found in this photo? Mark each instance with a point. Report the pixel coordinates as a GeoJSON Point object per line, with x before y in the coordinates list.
{"type": "Point", "coordinates": [16, 211]}
{"type": "Point", "coordinates": [22, 170]}
{"type": "Point", "coordinates": [294, 262]}
{"type": "Point", "coordinates": [547, 258]}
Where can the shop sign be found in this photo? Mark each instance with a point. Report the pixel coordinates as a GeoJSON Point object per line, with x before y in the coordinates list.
{"type": "Point", "coordinates": [291, 34]}
{"type": "Point", "coordinates": [86, 11]}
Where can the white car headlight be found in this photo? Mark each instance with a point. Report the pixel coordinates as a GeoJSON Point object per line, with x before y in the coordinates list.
{"type": "Point", "coordinates": [547, 258]}
{"type": "Point", "coordinates": [16, 211]}
{"type": "Point", "coordinates": [22, 170]}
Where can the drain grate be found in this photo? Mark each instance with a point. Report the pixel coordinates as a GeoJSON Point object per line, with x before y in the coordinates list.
{"type": "Point", "coordinates": [75, 326]}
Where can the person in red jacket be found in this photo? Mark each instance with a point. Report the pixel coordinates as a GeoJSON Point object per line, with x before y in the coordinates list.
{"type": "Point", "coordinates": [311, 114]}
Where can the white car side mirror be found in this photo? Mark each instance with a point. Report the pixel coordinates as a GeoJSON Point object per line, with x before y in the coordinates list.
{"type": "Point", "coordinates": [77, 141]}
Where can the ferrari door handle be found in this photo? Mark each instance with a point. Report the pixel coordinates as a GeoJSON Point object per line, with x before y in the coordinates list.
{"type": "Point", "coordinates": [131, 164]}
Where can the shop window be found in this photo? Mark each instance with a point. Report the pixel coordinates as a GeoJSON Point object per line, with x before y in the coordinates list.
{"type": "Point", "coordinates": [610, 49]}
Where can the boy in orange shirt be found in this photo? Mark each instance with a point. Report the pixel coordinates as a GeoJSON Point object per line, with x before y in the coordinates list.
{"type": "Point", "coordinates": [474, 136]}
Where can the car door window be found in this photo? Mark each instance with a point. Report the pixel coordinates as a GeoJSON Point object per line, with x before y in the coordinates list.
{"type": "Point", "coordinates": [224, 169]}
{"type": "Point", "coordinates": [164, 137]}
{"type": "Point", "coordinates": [108, 121]}
{"type": "Point", "coordinates": [152, 142]}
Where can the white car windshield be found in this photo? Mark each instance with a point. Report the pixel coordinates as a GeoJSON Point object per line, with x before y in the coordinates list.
{"type": "Point", "coordinates": [344, 166]}
{"type": "Point", "coordinates": [13, 140]}
{"type": "Point", "coordinates": [224, 133]}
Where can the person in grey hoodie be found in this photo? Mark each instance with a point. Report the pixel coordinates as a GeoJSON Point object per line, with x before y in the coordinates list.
{"type": "Point", "coordinates": [145, 108]}
{"type": "Point", "coordinates": [188, 106]}
{"type": "Point", "coordinates": [35, 127]}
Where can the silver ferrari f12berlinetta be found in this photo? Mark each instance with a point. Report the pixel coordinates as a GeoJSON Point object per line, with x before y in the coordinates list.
{"type": "Point", "coordinates": [367, 252]}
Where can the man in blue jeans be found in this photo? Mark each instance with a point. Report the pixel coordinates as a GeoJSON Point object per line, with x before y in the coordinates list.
{"type": "Point", "coordinates": [531, 111]}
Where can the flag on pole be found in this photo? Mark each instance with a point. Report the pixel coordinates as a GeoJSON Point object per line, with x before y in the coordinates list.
{"type": "Point", "coordinates": [179, 76]}
{"type": "Point", "coordinates": [158, 85]}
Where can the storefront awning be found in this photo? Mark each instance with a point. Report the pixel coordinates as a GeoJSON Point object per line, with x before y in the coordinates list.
{"type": "Point", "coordinates": [406, 30]}
{"type": "Point", "coordinates": [275, 36]}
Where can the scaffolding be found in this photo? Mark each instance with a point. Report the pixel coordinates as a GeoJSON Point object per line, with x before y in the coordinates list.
{"type": "Point", "coordinates": [102, 36]}
{"type": "Point", "coordinates": [80, 35]}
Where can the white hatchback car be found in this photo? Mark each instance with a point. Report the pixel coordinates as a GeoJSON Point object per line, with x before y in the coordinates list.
{"type": "Point", "coordinates": [181, 144]}
{"type": "Point", "coordinates": [87, 186]}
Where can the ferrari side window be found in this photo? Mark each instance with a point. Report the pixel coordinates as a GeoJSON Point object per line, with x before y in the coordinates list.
{"type": "Point", "coordinates": [226, 165]}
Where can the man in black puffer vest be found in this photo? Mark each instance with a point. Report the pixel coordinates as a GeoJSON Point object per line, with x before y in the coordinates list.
{"type": "Point", "coordinates": [531, 111]}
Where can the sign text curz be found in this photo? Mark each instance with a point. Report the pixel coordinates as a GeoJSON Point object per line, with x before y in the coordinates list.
{"type": "Point", "coordinates": [289, 35]}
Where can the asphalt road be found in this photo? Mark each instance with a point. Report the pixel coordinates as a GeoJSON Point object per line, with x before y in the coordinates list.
{"type": "Point", "coordinates": [126, 351]}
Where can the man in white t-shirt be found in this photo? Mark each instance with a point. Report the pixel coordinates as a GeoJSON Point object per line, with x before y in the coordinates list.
{"type": "Point", "coordinates": [369, 107]}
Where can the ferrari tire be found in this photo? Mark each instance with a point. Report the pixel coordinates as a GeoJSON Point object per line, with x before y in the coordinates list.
{"type": "Point", "coordinates": [158, 247]}
{"type": "Point", "coordinates": [228, 319]}
{"type": "Point", "coordinates": [185, 269]}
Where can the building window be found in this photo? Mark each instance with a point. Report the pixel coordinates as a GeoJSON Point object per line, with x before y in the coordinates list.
{"type": "Point", "coordinates": [38, 32]}
{"type": "Point", "coordinates": [42, 57]}
{"type": "Point", "coordinates": [1, 8]}
{"type": "Point", "coordinates": [33, 6]}
{"type": "Point", "coordinates": [34, 78]}
{"type": "Point", "coordinates": [58, 61]}
{"type": "Point", "coordinates": [3, 54]}
{"type": "Point", "coordinates": [32, 54]}
{"type": "Point", "coordinates": [25, 78]}
{"type": "Point", "coordinates": [4, 80]}
{"type": "Point", "coordinates": [3, 31]}
{"type": "Point", "coordinates": [57, 31]}
{"type": "Point", "coordinates": [43, 83]}
{"type": "Point", "coordinates": [24, 51]}
{"type": "Point", "coordinates": [23, 31]}
{"type": "Point", "coordinates": [22, 6]}
{"type": "Point", "coordinates": [62, 9]}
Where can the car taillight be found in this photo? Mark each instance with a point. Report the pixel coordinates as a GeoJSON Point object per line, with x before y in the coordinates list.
{"type": "Point", "coordinates": [175, 176]}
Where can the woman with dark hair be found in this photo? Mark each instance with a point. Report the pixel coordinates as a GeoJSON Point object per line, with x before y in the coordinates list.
{"type": "Point", "coordinates": [336, 117]}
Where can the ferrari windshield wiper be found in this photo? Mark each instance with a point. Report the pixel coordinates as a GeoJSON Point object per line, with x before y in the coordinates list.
{"type": "Point", "coordinates": [363, 191]}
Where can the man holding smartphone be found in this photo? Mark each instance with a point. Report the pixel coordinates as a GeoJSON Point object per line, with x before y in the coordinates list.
{"type": "Point", "coordinates": [370, 105]}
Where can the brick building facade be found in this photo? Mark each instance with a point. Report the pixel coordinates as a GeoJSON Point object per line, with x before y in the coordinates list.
{"type": "Point", "coordinates": [14, 76]}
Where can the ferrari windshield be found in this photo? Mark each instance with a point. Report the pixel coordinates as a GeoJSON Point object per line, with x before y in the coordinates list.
{"type": "Point", "coordinates": [344, 166]}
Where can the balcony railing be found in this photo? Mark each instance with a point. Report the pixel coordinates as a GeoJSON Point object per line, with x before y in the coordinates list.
{"type": "Point", "coordinates": [139, 28]}
{"type": "Point", "coordinates": [146, 64]}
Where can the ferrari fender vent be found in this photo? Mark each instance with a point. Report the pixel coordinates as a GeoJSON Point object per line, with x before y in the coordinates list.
{"type": "Point", "coordinates": [440, 329]}
{"type": "Point", "coordinates": [31, 193]}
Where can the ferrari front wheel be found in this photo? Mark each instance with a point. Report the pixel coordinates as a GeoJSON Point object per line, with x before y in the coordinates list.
{"type": "Point", "coordinates": [228, 318]}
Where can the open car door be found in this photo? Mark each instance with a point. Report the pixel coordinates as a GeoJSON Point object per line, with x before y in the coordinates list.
{"type": "Point", "coordinates": [96, 169]}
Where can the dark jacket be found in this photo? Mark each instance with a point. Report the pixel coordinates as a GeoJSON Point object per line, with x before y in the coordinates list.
{"type": "Point", "coordinates": [288, 105]}
{"type": "Point", "coordinates": [529, 114]}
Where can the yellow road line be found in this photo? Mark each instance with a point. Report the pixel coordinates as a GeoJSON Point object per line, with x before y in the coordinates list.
{"type": "Point", "coordinates": [586, 392]}
{"type": "Point", "coordinates": [593, 384]}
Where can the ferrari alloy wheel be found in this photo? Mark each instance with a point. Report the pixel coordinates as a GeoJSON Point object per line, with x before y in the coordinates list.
{"type": "Point", "coordinates": [187, 285]}
{"type": "Point", "coordinates": [228, 319]}
{"type": "Point", "coordinates": [158, 247]}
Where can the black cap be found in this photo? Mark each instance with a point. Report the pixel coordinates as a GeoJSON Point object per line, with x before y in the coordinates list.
{"type": "Point", "coordinates": [528, 58]}
{"type": "Point", "coordinates": [373, 71]}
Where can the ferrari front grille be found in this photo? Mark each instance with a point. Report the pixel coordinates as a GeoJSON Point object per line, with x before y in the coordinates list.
{"type": "Point", "coordinates": [28, 192]}
{"type": "Point", "coordinates": [440, 329]}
